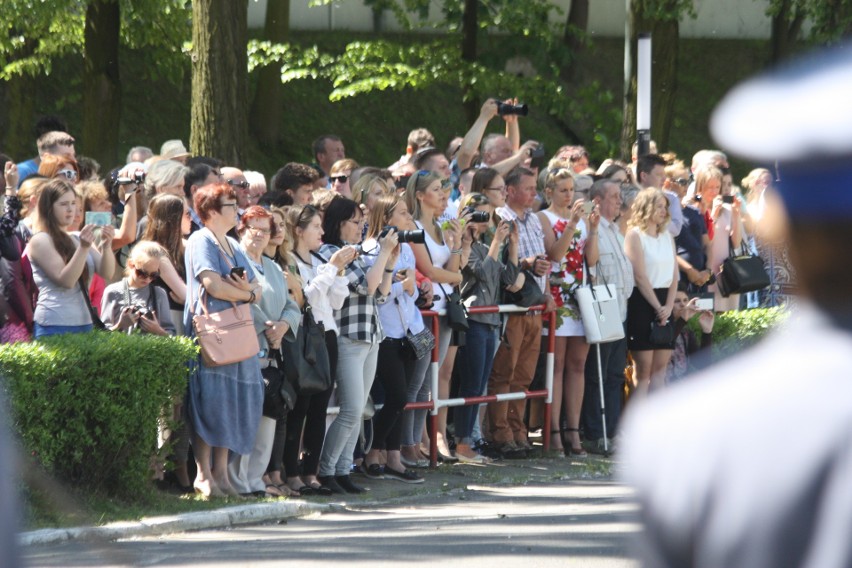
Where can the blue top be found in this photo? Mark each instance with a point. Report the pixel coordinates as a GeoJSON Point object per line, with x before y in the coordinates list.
{"type": "Point", "coordinates": [399, 305]}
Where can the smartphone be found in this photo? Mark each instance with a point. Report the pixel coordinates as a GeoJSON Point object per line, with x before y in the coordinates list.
{"type": "Point", "coordinates": [587, 207]}
{"type": "Point", "coordinates": [727, 199]}
{"type": "Point", "coordinates": [99, 218]}
{"type": "Point", "coordinates": [705, 302]}
{"type": "Point", "coordinates": [238, 271]}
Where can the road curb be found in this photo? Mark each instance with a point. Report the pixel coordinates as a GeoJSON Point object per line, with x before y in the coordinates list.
{"type": "Point", "coordinates": [155, 526]}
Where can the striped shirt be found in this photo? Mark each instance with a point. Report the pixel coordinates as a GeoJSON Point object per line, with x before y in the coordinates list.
{"type": "Point", "coordinates": [530, 237]}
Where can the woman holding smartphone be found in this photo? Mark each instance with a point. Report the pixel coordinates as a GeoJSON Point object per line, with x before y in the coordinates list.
{"type": "Point", "coordinates": [570, 237]}
{"type": "Point", "coordinates": [63, 264]}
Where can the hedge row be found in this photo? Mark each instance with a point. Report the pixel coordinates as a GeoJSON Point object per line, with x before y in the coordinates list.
{"type": "Point", "coordinates": [86, 406]}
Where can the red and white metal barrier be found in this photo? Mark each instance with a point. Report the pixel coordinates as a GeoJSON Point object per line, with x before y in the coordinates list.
{"type": "Point", "coordinates": [435, 404]}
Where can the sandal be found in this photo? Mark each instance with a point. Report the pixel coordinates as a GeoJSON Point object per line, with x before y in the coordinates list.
{"type": "Point", "coordinates": [303, 491]}
{"type": "Point", "coordinates": [321, 490]}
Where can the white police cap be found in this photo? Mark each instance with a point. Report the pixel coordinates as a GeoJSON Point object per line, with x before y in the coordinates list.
{"type": "Point", "coordinates": [800, 112]}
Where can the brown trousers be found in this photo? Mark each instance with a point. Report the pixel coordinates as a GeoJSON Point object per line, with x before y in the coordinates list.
{"type": "Point", "coordinates": [514, 367]}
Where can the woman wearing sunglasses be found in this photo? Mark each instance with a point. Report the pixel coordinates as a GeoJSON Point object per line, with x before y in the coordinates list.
{"type": "Point", "coordinates": [53, 165]}
{"type": "Point", "coordinates": [134, 302]}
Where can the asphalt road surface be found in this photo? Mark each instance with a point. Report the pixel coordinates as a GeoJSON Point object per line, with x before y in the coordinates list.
{"type": "Point", "coordinates": [570, 523]}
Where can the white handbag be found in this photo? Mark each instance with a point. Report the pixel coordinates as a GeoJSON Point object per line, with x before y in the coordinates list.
{"type": "Point", "coordinates": [600, 312]}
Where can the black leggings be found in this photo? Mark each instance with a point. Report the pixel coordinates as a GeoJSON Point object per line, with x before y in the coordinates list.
{"type": "Point", "coordinates": [394, 371]}
{"type": "Point", "coordinates": [309, 416]}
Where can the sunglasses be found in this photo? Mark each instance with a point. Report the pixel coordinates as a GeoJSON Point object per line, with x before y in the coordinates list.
{"type": "Point", "coordinates": [144, 274]}
{"type": "Point", "coordinates": [70, 175]}
{"type": "Point", "coordinates": [241, 184]}
{"type": "Point", "coordinates": [341, 179]}
{"type": "Point", "coordinates": [683, 182]}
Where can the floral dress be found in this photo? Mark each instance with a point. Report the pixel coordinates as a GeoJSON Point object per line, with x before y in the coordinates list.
{"type": "Point", "coordinates": [566, 276]}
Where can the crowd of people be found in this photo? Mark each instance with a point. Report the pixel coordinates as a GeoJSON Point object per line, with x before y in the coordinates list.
{"type": "Point", "coordinates": [149, 244]}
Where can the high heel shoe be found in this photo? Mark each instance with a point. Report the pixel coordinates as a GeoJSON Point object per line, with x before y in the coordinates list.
{"type": "Point", "coordinates": [573, 451]}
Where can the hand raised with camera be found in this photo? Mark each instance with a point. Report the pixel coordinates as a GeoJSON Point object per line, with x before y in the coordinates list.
{"type": "Point", "coordinates": [527, 148]}
{"type": "Point", "coordinates": [503, 231]}
{"type": "Point", "coordinates": [389, 241]}
{"type": "Point", "coordinates": [489, 109]}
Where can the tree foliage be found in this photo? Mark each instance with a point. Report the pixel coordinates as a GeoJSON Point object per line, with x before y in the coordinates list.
{"type": "Point", "coordinates": [384, 64]}
{"type": "Point", "coordinates": [35, 33]}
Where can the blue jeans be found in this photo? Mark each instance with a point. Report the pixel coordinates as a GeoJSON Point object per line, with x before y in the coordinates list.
{"type": "Point", "coordinates": [45, 330]}
{"type": "Point", "coordinates": [475, 361]}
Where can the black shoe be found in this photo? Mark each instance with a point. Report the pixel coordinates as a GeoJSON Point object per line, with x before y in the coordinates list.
{"type": "Point", "coordinates": [406, 476]}
{"type": "Point", "coordinates": [345, 482]}
{"type": "Point", "coordinates": [331, 483]}
{"type": "Point", "coordinates": [373, 471]}
{"type": "Point", "coordinates": [511, 451]}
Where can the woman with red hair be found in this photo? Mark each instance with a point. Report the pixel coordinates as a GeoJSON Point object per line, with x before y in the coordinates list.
{"type": "Point", "coordinates": [224, 403]}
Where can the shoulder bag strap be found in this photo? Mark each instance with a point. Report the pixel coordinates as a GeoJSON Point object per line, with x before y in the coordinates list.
{"type": "Point", "coordinates": [441, 286]}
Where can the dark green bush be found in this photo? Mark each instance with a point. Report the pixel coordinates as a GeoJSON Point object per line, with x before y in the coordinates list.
{"type": "Point", "coordinates": [86, 405]}
{"type": "Point", "coordinates": [733, 331]}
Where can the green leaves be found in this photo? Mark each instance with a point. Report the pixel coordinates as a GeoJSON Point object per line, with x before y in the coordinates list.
{"type": "Point", "coordinates": [86, 405]}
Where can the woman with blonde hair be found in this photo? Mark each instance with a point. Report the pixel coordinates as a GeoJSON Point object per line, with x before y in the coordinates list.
{"type": "Point", "coordinates": [570, 238]}
{"type": "Point", "coordinates": [439, 259]}
{"type": "Point", "coordinates": [651, 251]}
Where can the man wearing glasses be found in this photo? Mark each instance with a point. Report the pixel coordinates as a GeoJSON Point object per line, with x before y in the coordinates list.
{"type": "Point", "coordinates": [236, 179]}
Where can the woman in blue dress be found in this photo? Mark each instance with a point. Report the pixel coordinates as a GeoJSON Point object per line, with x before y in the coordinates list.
{"type": "Point", "coordinates": [225, 402]}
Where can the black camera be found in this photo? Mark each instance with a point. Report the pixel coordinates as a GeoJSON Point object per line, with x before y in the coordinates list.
{"type": "Point", "coordinates": [416, 236]}
{"type": "Point", "coordinates": [538, 153]}
{"type": "Point", "coordinates": [138, 178]}
{"type": "Point", "coordinates": [504, 109]}
{"type": "Point", "coordinates": [141, 310]}
{"type": "Point", "coordinates": [477, 216]}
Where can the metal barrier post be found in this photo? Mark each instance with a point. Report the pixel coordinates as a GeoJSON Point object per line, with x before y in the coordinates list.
{"type": "Point", "coordinates": [433, 414]}
{"type": "Point", "coordinates": [548, 378]}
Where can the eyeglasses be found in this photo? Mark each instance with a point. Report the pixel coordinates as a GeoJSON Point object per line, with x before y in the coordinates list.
{"type": "Point", "coordinates": [144, 274]}
{"type": "Point", "coordinates": [259, 230]}
{"type": "Point", "coordinates": [68, 174]}
{"type": "Point", "coordinates": [683, 182]}
{"type": "Point", "coordinates": [498, 188]}
{"type": "Point", "coordinates": [240, 184]}
{"type": "Point", "coordinates": [234, 204]}
{"type": "Point", "coordinates": [341, 179]}
{"type": "Point", "coordinates": [360, 222]}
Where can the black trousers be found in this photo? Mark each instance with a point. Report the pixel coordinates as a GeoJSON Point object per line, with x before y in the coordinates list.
{"type": "Point", "coordinates": [394, 371]}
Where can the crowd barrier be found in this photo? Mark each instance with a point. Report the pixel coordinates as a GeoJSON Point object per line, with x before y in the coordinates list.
{"type": "Point", "coordinates": [436, 403]}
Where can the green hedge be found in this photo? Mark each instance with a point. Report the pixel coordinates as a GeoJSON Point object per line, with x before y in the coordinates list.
{"type": "Point", "coordinates": [86, 405]}
{"type": "Point", "coordinates": [732, 331]}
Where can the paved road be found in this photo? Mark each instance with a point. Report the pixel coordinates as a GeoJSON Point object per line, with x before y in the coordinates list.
{"type": "Point", "coordinates": [573, 523]}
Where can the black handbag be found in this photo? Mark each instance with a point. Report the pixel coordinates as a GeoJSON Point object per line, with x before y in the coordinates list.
{"type": "Point", "coordinates": [306, 362]}
{"type": "Point", "coordinates": [740, 274]}
{"type": "Point", "coordinates": [456, 312]}
{"type": "Point", "coordinates": [279, 396]}
{"type": "Point", "coordinates": [530, 293]}
{"type": "Point", "coordinates": [662, 335]}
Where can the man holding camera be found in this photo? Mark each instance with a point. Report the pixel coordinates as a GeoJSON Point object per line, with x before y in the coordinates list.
{"type": "Point", "coordinates": [515, 361]}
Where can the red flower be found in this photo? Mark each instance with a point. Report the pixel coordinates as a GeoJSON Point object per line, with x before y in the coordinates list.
{"type": "Point", "coordinates": [560, 225]}
{"type": "Point", "coordinates": [556, 292]}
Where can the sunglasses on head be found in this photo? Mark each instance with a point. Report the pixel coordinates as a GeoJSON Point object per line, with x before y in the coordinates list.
{"type": "Point", "coordinates": [70, 175]}
{"type": "Point", "coordinates": [235, 183]}
{"type": "Point", "coordinates": [341, 179]}
{"type": "Point", "coordinates": [145, 274]}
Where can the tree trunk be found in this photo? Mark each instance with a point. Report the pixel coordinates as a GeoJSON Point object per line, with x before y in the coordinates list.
{"type": "Point", "coordinates": [470, 29]}
{"type": "Point", "coordinates": [101, 83]}
{"type": "Point", "coordinates": [18, 141]}
{"type": "Point", "coordinates": [664, 80]}
{"type": "Point", "coordinates": [574, 38]}
{"type": "Point", "coordinates": [268, 100]}
{"type": "Point", "coordinates": [664, 58]}
{"type": "Point", "coordinates": [219, 79]}
{"type": "Point", "coordinates": [785, 31]}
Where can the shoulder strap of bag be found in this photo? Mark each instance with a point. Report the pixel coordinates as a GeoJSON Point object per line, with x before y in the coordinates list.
{"type": "Point", "coordinates": [401, 319]}
{"type": "Point", "coordinates": [441, 286]}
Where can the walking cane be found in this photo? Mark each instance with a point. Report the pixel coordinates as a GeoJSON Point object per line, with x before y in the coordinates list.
{"type": "Point", "coordinates": [603, 405]}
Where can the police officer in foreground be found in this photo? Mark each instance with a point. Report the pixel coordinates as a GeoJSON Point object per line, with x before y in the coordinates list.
{"type": "Point", "coordinates": [750, 462]}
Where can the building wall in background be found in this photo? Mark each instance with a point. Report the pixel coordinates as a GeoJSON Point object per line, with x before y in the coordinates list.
{"type": "Point", "coordinates": [739, 19]}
